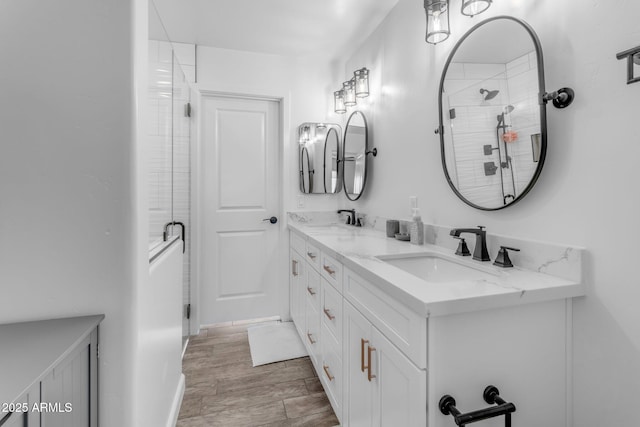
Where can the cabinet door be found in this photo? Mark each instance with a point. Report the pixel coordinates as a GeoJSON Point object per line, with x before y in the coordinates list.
{"type": "Point", "coordinates": [358, 390]}
{"type": "Point", "coordinates": [297, 280]}
{"type": "Point", "coordinates": [66, 391]}
{"type": "Point", "coordinates": [400, 395]}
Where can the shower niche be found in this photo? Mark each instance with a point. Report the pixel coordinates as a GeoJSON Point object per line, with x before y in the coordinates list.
{"type": "Point", "coordinates": [492, 102]}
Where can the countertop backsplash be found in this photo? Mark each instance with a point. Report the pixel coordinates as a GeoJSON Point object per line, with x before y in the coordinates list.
{"type": "Point", "coordinates": [543, 257]}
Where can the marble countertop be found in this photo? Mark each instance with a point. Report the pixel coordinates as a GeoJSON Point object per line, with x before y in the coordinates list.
{"type": "Point", "coordinates": [358, 248]}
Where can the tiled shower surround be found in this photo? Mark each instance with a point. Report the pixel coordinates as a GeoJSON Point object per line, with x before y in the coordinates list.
{"type": "Point", "coordinates": [475, 123]}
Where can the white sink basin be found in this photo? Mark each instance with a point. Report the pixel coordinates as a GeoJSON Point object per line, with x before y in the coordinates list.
{"type": "Point", "coordinates": [436, 268]}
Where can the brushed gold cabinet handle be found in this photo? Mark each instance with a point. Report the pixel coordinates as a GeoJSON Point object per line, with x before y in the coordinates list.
{"type": "Point", "coordinates": [369, 375]}
{"type": "Point", "coordinates": [329, 270]}
{"type": "Point", "coordinates": [294, 267]}
{"type": "Point", "coordinates": [327, 312]}
{"type": "Point", "coordinates": [309, 338]}
{"type": "Point", "coordinates": [310, 290]}
{"type": "Point", "coordinates": [326, 371]}
{"type": "Point", "coordinates": [311, 255]}
{"type": "Point", "coordinates": [362, 343]}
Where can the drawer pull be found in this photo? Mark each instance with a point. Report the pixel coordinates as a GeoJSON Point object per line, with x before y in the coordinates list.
{"type": "Point", "coordinates": [310, 290]}
{"type": "Point", "coordinates": [362, 343]}
{"type": "Point", "coordinates": [326, 372]}
{"type": "Point", "coordinates": [311, 255]}
{"type": "Point", "coordinates": [311, 340]}
{"type": "Point", "coordinates": [327, 312]}
{"type": "Point", "coordinates": [329, 270]}
{"type": "Point", "coordinates": [369, 375]}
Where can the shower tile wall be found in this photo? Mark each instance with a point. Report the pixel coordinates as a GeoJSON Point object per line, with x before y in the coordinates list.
{"type": "Point", "coordinates": [475, 123]}
{"type": "Point", "coordinates": [160, 139]}
{"type": "Point", "coordinates": [525, 118]}
{"type": "Point", "coordinates": [170, 148]}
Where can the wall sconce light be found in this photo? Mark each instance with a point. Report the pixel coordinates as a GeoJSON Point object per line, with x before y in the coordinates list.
{"type": "Point", "coordinates": [437, 20]}
{"type": "Point", "coordinates": [349, 88]}
{"type": "Point", "coordinates": [356, 87]}
{"type": "Point", "coordinates": [474, 7]}
{"type": "Point", "coordinates": [361, 77]}
{"type": "Point", "coordinates": [304, 134]}
{"type": "Point", "coordinates": [338, 102]}
{"type": "Point", "coordinates": [438, 16]}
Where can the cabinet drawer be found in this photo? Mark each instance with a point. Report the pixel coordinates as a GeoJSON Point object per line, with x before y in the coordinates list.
{"type": "Point", "coordinates": [331, 371]}
{"type": "Point", "coordinates": [331, 270]}
{"type": "Point", "coordinates": [297, 242]}
{"type": "Point", "coordinates": [312, 255]}
{"type": "Point", "coordinates": [404, 328]}
{"type": "Point", "coordinates": [312, 335]}
{"type": "Point", "coordinates": [312, 290]}
{"type": "Point", "coordinates": [332, 310]}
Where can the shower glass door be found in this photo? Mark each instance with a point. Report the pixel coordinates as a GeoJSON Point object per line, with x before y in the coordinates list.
{"type": "Point", "coordinates": [169, 165]}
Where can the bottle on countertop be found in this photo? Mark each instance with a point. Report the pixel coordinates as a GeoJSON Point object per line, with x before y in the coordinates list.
{"type": "Point", "coordinates": [416, 228]}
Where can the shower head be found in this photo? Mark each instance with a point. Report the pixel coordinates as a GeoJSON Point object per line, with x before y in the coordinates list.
{"type": "Point", "coordinates": [506, 110]}
{"type": "Point", "coordinates": [489, 94]}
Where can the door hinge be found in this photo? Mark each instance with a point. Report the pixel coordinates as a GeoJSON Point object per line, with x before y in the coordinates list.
{"type": "Point", "coordinates": [97, 351]}
{"type": "Point", "coordinates": [188, 311]}
{"type": "Point", "coordinates": [187, 109]}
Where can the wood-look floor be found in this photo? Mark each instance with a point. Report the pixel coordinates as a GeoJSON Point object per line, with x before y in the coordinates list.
{"type": "Point", "coordinates": [224, 389]}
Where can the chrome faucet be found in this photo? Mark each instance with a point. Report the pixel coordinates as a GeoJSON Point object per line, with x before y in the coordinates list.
{"type": "Point", "coordinates": [352, 219]}
{"type": "Point", "coordinates": [480, 252]}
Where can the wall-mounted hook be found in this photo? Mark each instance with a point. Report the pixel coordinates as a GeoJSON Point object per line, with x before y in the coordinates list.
{"type": "Point", "coordinates": [374, 152]}
{"type": "Point", "coordinates": [561, 98]}
{"type": "Point", "coordinates": [633, 58]}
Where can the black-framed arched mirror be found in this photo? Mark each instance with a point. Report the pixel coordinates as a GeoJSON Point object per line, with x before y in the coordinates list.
{"type": "Point", "coordinates": [306, 171]}
{"type": "Point", "coordinates": [356, 150]}
{"type": "Point", "coordinates": [332, 159]}
{"type": "Point", "coordinates": [319, 158]}
{"type": "Point", "coordinates": [493, 130]}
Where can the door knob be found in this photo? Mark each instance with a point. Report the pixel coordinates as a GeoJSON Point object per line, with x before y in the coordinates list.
{"type": "Point", "coordinates": [272, 220]}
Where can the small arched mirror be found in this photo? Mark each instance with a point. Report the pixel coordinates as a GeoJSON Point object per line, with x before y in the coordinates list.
{"type": "Point", "coordinates": [319, 157]}
{"type": "Point", "coordinates": [332, 178]}
{"type": "Point", "coordinates": [306, 171]}
{"type": "Point", "coordinates": [356, 148]}
{"type": "Point", "coordinates": [493, 130]}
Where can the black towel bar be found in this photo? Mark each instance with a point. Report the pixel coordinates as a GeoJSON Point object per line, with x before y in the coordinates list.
{"type": "Point", "coordinates": [491, 395]}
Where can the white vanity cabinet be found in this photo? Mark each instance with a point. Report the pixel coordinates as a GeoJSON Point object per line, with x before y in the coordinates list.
{"type": "Point", "coordinates": [388, 346]}
{"type": "Point", "coordinates": [297, 289]}
{"type": "Point", "coordinates": [368, 380]}
{"type": "Point", "coordinates": [383, 387]}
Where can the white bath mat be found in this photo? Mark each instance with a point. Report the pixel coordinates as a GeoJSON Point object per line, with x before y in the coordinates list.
{"type": "Point", "coordinates": [274, 343]}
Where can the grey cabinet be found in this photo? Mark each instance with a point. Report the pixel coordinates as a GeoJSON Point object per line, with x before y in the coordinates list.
{"type": "Point", "coordinates": [51, 372]}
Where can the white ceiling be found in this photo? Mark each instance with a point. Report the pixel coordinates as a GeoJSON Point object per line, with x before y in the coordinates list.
{"type": "Point", "coordinates": [282, 27]}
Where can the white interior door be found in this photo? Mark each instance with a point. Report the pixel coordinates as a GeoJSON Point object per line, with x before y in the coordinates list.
{"type": "Point", "coordinates": [240, 188]}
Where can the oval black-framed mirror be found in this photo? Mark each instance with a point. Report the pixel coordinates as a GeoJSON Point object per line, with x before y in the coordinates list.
{"type": "Point", "coordinates": [355, 150]}
{"type": "Point", "coordinates": [493, 131]}
{"type": "Point", "coordinates": [306, 171]}
{"type": "Point", "coordinates": [331, 165]}
{"type": "Point", "coordinates": [313, 138]}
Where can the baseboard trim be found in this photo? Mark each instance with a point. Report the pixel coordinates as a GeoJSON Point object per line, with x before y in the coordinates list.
{"type": "Point", "coordinates": [177, 403]}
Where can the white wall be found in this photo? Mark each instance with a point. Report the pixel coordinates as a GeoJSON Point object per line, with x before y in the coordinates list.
{"type": "Point", "coordinates": [67, 210]}
{"type": "Point", "coordinates": [304, 81]}
{"type": "Point", "coordinates": [586, 194]}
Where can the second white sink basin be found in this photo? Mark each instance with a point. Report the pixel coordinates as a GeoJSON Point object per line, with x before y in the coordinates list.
{"type": "Point", "coordinates": [435, 268]}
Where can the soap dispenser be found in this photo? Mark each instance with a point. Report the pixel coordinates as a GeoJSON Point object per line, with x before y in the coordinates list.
{"type": "Point", "coordinates": [416, 229]}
